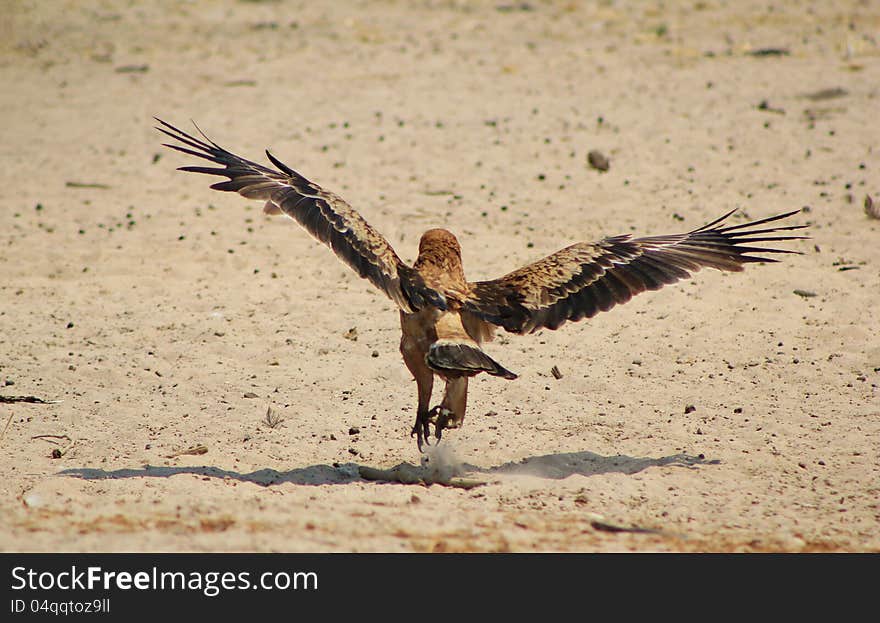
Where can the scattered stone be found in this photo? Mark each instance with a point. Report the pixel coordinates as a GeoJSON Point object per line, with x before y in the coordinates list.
{"type": "Point", "coordinates": [689, 409]}
{"type": "Point", "coordinates": [354, 430]}
{"type": "Point", "coordinates": [805, 293]}
{"type": "Point", "coordinates": [765, 106]}
{"type": "Point", "coordinates": [598, 160]}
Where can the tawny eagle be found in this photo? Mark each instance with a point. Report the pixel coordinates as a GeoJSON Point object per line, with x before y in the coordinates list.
{"type": "Point", "coordinates": [444, 317]}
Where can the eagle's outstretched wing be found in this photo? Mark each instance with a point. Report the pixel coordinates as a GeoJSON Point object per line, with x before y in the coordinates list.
{"type": "Point", "coordinates": [323, 214]}
{"type": "Point", "coordinates": [586, 278]}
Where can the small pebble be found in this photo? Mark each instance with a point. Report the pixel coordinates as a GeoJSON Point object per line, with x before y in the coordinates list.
{"type": "Point", "coordinates": [598, 160]}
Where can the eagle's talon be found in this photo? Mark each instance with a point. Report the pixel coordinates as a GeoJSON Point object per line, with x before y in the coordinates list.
{"type": "Point", "coordinates": [417, 431]}
{"type": "Point", "coordinates": [422, 430]}
{"type": "Point", "coordinates": [426, 432]}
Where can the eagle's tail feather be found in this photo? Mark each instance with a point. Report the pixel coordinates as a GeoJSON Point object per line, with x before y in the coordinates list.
{"type": "Point", "coordinates": [464, 359]}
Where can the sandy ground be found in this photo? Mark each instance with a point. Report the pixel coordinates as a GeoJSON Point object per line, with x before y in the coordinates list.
{"type": "Point", "coordinates": [164, 315]}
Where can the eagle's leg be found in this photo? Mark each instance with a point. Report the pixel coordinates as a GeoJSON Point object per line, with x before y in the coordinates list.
{"type": "Point", "coordinates": [450, 412]}
{"type": "Point", "coordinates": [424, 376]}
{"type": "Point", "coordinates": [424, 418]}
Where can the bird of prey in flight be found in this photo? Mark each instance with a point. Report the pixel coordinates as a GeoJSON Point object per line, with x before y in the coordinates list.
{"type": "Point", "coordinates": [445, 318]}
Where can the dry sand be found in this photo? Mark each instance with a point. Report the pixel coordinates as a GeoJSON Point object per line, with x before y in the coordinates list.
{"type": "Point", "coordinates": [165, 315]}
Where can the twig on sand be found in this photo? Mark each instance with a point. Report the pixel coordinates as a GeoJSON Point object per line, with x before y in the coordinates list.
{"type": "Point", "coordinates": [12, 399]}
{"type": "Point", "coordinates": [608, 527]}
{"type": "Point", "coordinates": [8, 422]}
{"type": "Point", "coordinates": [86, 185]}
{"type": "Point", "coordinates": [50, 437]}
{"type": "Point", "coordinates": [57, 453]}
{"type": "Point", "coordinates": [408, 474]}
{"type": "Point", "coordinates": [199, 449]}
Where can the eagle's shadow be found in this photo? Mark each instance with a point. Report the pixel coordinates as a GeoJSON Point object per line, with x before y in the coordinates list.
{"type": "Point", "coordinates": [550, 466]}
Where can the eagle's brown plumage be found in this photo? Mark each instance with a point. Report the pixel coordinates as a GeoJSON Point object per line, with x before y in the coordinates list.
{"type": "Point", "coordinates": [586, 278]}
{"type": "Point", "coordinates": [323, 214]}
{"type": "Point", "coordinates": [444, 318]}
